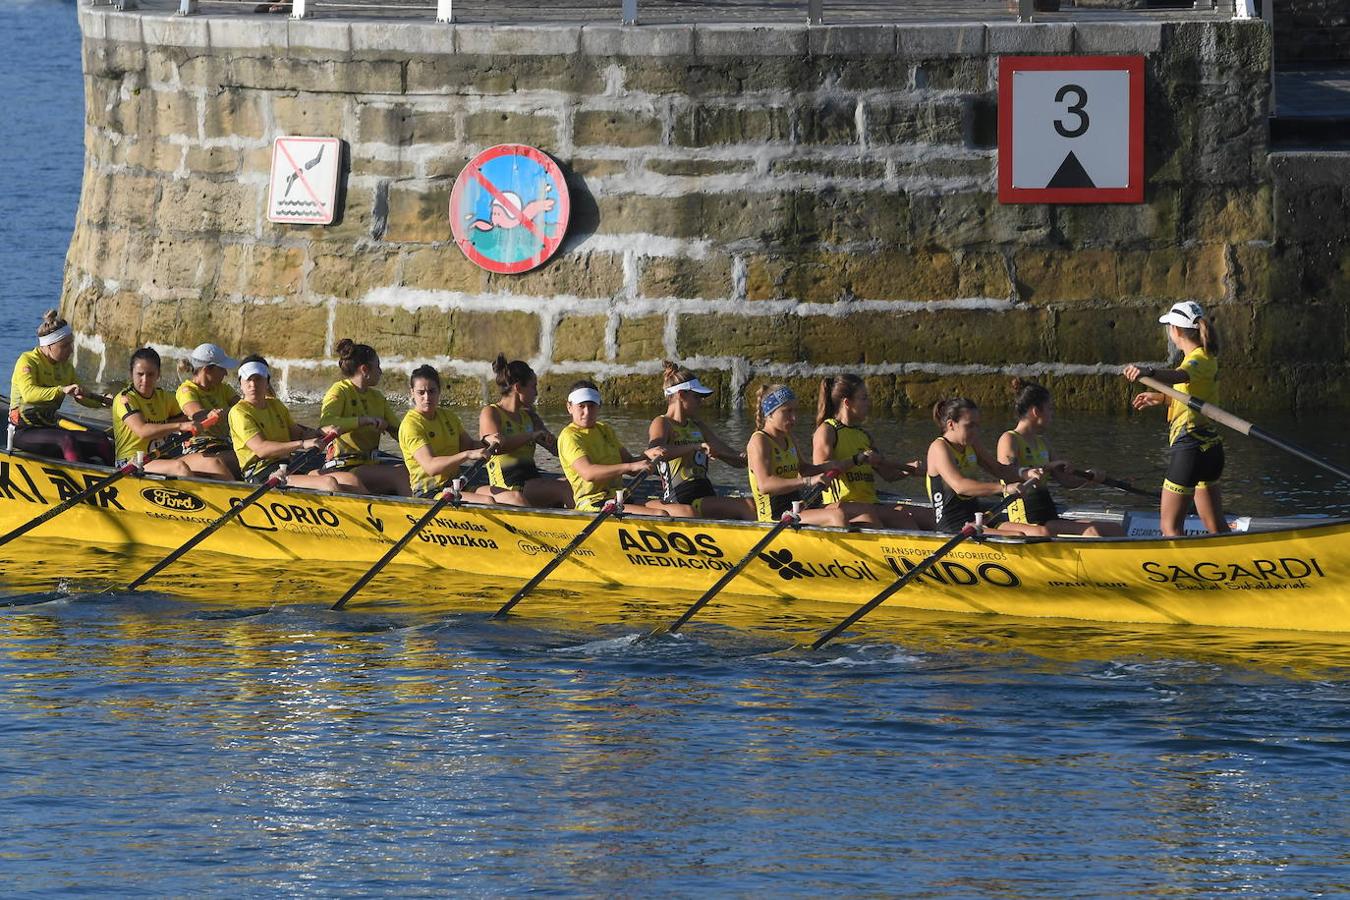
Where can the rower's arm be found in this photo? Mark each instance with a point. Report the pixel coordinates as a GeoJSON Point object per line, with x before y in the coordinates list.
{"type": "Point", "coordinates": [891, 470]}
{"type": "Point", "coordinates": [823, 442]}
{"type": "Point", "coordinates": [150, 431]}
{"type": "Point", "coordinates": [439, 465]}
{"type": "Point", "coordinates": [1134, 372]}
{"type": "Point", "coordinates": [28, 390]}
{"type": "Point", "coordinates": [940, 463]}
{"type": "Point", "coordinates": [265, 449]}
{"type": "Point", "coordinates": [722, 451]}
{"type": "Point", "coordinates": [597, 474]}
{"type": "Point", "coordinates": [1009, 472]}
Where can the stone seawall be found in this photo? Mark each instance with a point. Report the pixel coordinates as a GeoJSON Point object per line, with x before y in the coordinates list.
{"type": "Point", "coordinates": [762, 202]}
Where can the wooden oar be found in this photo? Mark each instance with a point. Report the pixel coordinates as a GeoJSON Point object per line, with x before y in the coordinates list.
{"type": "Point", "coordinates": [448, 496]}
{"type": "Point", "coordinates": [170, 444]}
{"type": "Point", "coordinates": [611, 508]}
{"type": "Point", "coordinates": [1242, 426]}
{"type": "Point", "coordinates": [275, 479]}
{"type": "Point", "coordinates": [1118, 485]}
{"type": "Point", "coordinates": [787, 519]}
{"type": "Point", "coordinates": [913, 573]}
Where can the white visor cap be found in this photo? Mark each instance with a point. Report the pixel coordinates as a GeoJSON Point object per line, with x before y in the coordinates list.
{"type": "Point", "coordinates": [249, 369]}
{"type": "Point", "coordinates": [692, 384]}
{"type": "Point", "coordinates": [1183, 315]}
{"type": "Point", "coordinates": [584, 395]}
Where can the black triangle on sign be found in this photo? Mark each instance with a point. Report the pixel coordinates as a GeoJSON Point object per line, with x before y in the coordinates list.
{"type": "Point", "coordinates": [1071, 174]}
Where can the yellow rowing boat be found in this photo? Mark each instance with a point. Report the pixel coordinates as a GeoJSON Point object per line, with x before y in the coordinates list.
{"type": "Point", "coordinates": [1292, 577]}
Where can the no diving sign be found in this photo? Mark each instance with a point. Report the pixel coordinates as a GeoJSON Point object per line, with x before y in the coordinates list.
{"type": "Point", "coordinates": [304, 180]}
{"type": "Point", "coordinates": [1071, 129]}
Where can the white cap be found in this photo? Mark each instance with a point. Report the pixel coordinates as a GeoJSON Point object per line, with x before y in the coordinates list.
{"type": "Point", "coordinates": [210, 355]}
{"type": "Point", "coordinates": [249, 369]}
{"type": "Point", "coordinates": [1183, 315]}
{"type": "Point", "coordinates": [692, 384]}
{"type": "Point", "coordinates": [584, 395]}
{"type": "Point", "coordinates": [514, 199]}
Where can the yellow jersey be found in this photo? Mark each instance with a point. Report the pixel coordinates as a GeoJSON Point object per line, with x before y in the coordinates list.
{"type": "Point", "coordinates": [1182, 421]}
{"type": "Point", "coordinates": [35, 390]}
{"type": "Point", "coordinates": [511, 470]}
{"type": "Point", "coordinates": [601, 447]}
{"type": "Point", "coordinates": [677, 472]}
{"type": "Point", "coordinates": [272, 421]}
{"type": "Point", "coordinates": [156, 409]}
{"type": "Point", "coordinates": [1038, 506]}
{"type": "Point", "coordinates": [222, 396]}
{"type": "Point", "coordinates": [783, 463]}
{"type": "Point", "coordinates": [442, 434]}
{"type": "Point", "coordinates": [858, 484]}
{"type": "Point", "coordinates": [344, 405]}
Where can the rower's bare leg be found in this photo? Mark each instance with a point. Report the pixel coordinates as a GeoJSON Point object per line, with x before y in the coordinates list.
{"type": "Point", "coordinates": [204, 466]}
{"type": "Point", "coordinates": [174, 468]}
{"type": "Point", "coordinates": [831, 516]}
{"type": "Point", "coordinates": [317, 482]}
{"type": "Point", "coordinates": [735, 508]}
{"type": "Point", "coordinates": [675, 510]}
{"type": "Point", "coordinates": [923, 516]}
{"type": "Point", "coordinates": [348, 481]}
{"type": "Point", "coordinates": [1209, 506]}
{"type": "Point", "coordinates": [1020, 528]}
{"type": "Point", "coordinates": [506, 497]}
{"type": "Point", "coordinates": [1172, 511]}
{"type": "Point", "coordinates": [548, 492]}
{"type": "Point", "coordinates": [481, 495]}
{"type": "Point", "coordinates": [381, 479]}
{"type": "Point", "coordinates": [1086, 529]}
{"type": "Point", "coordinates": [864, 515]}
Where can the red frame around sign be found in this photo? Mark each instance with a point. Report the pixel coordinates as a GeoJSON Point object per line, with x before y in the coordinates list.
{"type": "Point", "coordinates": [1132, 192]}
{"type": "Point", "coordinates": [564, 209]}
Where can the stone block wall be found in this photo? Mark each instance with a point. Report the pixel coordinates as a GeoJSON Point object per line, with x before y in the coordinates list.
{"type": "Point", "coordinates": [1312, 32]}
{"type": "Point", "coordinates": [761, 202]}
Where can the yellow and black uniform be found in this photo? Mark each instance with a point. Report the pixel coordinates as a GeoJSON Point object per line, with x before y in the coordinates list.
{"type": "Point", "coordinates": [273, 421]}
{"type": "Point", "coordinates": [1197, 456]}
{"type": "Point", "coordinates": [783, 464]}
{"type": "Point", "coordinates": [601, 447]}
{"type": "Point", "coordinates": [156, 409]}
{"type": "Point", "coordinates": [222, 396]}
{"type": "Point", "coordinates": [511, 470]}
{"type": "Point", "coordinates": [951, 509]}
{"type": "Point", "coordinates": [441, 433]}
{"type": "Point", "coordinates": [344, 405]}
{"type": "Point", "coordinates": [685, 479]}
{"type": "Point", "coordinates": [1037, 506]}
{"type": "Point", "coordinates": [858, 484]}
{"type": "Point", "coordinates": [35, 390]}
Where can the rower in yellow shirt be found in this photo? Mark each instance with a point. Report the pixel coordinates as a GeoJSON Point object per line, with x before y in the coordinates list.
{"type": "Point", "coordinates": [434, 442]}
{"type": "Point", "coordinates": [43, 378]}
{"type": "Point", "coordinates": [363, 414]}
{"type": "Point", "coordinates": [145, 414]}
{"type": "Point", "coordinates": [592, 457]}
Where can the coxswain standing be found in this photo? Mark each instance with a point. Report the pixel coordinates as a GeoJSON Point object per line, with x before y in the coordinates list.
{"type": "Point", "coordinates": [43, 378]}
{"type": "Point", "coordinates": [1196, 447]}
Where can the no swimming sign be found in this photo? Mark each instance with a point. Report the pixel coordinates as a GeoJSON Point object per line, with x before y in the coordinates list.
{"type": "Point", "coordinates": [509, 208]}
{"type": "Point", "coordinates": [1071, 129]}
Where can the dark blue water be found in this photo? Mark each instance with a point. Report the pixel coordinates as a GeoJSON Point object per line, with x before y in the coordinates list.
{"type": "Point", "coordinates": [229, 735]}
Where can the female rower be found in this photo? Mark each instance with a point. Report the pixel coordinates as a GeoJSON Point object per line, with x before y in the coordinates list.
{"type": "Point", "coordinates": [777, 477]}
{"type": "Point", "coordinates": [1197, 456]}
{"type": "Point", "coordinates": [688, 445]}
{"type": "Point", "coordinates": [1025, 446]}
{"type": "Point", "coordinates": [145, 414]}
{"type": "Point", "coordinates": [204, 392]}
{"type": "Point", "coordinates": [43, 378]}
{"type": "Point", "coordinates": [592, 458]}
{"type": "Point", "coordinates": [954, 461]}
{"type": "Point", "coordinates": [434, 442]}
{"type": "Point", "coordinates": [265, 435]}
{"type": "Point", "coordinates": [516, 429]}
{"type": "Point", "coordinates": [363, 414]}
{"type": "Point", "coordinates": [842, 407]}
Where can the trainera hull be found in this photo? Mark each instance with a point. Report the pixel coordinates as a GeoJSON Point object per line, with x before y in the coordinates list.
{"type": "Point", "coordinates": [1289, 579]}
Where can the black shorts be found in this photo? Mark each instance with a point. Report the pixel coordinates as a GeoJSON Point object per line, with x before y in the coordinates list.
{"type": "Point", "coordinates": [690, 491]}
{"type": "Point", "coordinates": [515, 477]}
{"type": "Point", "coordinates": [1193, 465]}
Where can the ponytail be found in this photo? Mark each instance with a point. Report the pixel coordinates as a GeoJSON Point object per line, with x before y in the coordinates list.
{"type": "Point", "coordinates": [1208, 336]}
{"type": "Point", "coordinates": [950, 410]}
{"type": "Point", "coordinates": [509, 374]}
{"type": "Point", "coordinates": [834, 390]}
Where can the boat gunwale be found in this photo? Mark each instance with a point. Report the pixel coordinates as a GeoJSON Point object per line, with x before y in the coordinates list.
{"type": "Point", "coordinates": [1295, 525]}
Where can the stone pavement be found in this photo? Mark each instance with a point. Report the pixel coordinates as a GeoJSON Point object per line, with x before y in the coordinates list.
{"type": "Point", "coordinates": [777, 12]}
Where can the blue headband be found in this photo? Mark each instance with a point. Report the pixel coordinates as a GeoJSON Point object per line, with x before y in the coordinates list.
{"type": "Point", "coordinates": [775, 399]}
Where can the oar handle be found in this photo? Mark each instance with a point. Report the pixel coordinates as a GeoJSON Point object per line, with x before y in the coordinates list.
{"type": "Point", "coordinates": [611, 507]}
{"type": "Point", "coordinates": [969, 530]}
{"type": "Point", "coordinates": [784, 521]}
{"type": "Point", "coordinates": [1242, 426]}
{"type": "Point", "coordinates": [1115, 483]}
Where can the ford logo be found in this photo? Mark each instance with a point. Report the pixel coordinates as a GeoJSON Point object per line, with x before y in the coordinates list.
{"type": "Point", "coordinates": [168, 498]}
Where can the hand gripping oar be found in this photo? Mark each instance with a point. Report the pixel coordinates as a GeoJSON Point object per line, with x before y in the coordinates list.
{"type": "Point", "coordinates": [273, 480]}
{"type": "Point", "coordinates": [1242, 426]}
{"type": "Point", "coordinates": [611, 507]}
{"type": "Point", "coordinates": [969, 530]}
{"type": "Point", "coordinates": [787, 519]}
{"type": "Point", "coordinates": [1118, 485]}
{"type": "Point", "coordinates": [448, 496]}
{"type": "Point", "coordinates": [172, 443]}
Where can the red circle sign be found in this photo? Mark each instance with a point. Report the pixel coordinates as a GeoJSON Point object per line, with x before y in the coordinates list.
{"type": "Point", "coordinates": [509, 208]}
